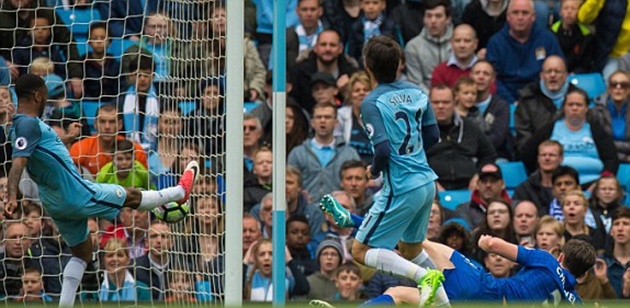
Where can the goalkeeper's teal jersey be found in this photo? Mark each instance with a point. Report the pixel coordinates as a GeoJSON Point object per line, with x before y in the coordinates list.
{"type": "Point", "coordinates": [61, 187]}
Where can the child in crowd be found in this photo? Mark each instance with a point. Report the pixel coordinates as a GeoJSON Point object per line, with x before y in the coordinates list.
{"type": "Point", "coordinates": [257, 187]}
{"type": "Point", "coordinates": [39, 45]}
{"type": "Point", "coordinates": [101, 80]}
{"type": "Point", "coordinates": [348, 282]}
{"type": "Point", "coordinates": [207, 121]}
{"type": "Point", "coordinates": [33, 287]}
{"type": "Point", "coordinates": [32, 215]}
{"type": "Point", "coordinates": [324, 88]}
{"type": "Point", "coordinates": [180, 288]}
{"type": "Point", "coordinates": [298, 237]}
{"type": "Point", "coordinates": [206, 184]}
{"type": "Point", "coordinates": [258, 286]}
{"type": "Point", "coordinates": [330, 257]}
{"type": "Point", "coordinates": [372, 21]}
{"type": "Point", "coordinates": [42, 66]}
{"type": "Point", "coordinates": [465, 91]}
{"type": "Point", "coordinates": [124, 169]}
{"type": "Point", "coordinates": [550, 235]}
{"type": "Point", "coordinates": [606, 198]}
{"type": "Point", "coordinates": [574, 37]}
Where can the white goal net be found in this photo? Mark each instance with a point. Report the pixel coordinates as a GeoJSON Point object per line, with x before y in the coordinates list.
{"type": "Point", "coordinates": [146, 81]}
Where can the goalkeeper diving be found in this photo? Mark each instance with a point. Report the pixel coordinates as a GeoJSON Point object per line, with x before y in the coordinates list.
{"type": "Point", "coordinates": [542, 278]}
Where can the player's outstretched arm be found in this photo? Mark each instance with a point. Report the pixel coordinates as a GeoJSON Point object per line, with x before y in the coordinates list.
{"type": "Point", "coordinates": [496, 245]}
{"type": "Point", "coordinates": [15, 174]}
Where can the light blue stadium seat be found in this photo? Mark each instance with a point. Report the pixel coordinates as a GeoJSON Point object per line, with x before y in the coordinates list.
{"type": "Point", "coordinates": [82, 45]}
{"type": "Point", "coordinates": [512, 126]}
{"type": "Point", "coordinates": [514, 173]}
{"type": "Point", "coordinates": [592, 83]}
{"type": "Point", "coordinates": [89, 109]}
{"type": "Point", "coordinates": [249, 106]}
{"type": "Point", "coordinates": [450, 199]}
{"type": "Point", "coordinates": [78, 19]}
{"type": "Point", "coordinates": [623, 175]}
{"type": "Point", "coordinates": [187, 107]}
{"type": "Point", "coordinates": [118, 46]}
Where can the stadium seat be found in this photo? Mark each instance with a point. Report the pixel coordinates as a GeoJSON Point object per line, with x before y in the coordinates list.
{"type": "Point", "coordinates": [450, 199]}
{"type": "Point", "coordinates": [187, 107]}
{"type": "Point", "coordinates": [249, 106]}
{"type": "Point", "coordinates": [78, 19]}
{"type": "Point", "coordinates": [514, 173]}
{"type": "Point", "coordinates": [90, 108]}
{"type": "Point", "coordinates": [512, 126]}
{"type": "Point", "coordinates": [623, 175]}
{"type": "Point", "coordinates": [592, 83]}
{"type": "Point", "coordinates": [82, 45]}
{"type": "Point", "coordinates": [117, 46]}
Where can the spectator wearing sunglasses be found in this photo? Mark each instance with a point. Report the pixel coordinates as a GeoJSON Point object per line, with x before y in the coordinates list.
{"type": "Point", "coordinates": [613, 114]}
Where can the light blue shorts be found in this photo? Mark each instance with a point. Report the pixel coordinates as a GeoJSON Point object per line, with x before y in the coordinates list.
{"type": "Point", "coordinates": [106, 203]}
{"type": "Point", "coordinates": [404, 218]}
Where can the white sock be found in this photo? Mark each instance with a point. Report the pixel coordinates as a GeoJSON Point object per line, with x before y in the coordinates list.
{"type": "Point", "coordinates": [389, 262]}
{"type": "Point", "coordinates": [154, 198]}
{"type": "Point", "coordinates": [72, 275]}
{"type": "Point", "coordinates": [423, 260]}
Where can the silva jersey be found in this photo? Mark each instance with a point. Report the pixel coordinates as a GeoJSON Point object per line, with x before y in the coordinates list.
{"type": "Point", "coordinates": [398, 112]}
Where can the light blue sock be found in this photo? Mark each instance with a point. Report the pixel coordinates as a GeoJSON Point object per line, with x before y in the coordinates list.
{"type": "Point", "coordinates": [72, 275]}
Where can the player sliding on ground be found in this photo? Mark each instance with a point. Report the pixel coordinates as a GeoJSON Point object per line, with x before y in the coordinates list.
{"type": "Point", "coordinates": [66, 196]}
{"type": "Point", "coordinates": [400, 123]}
{"type": "Point", "coordinates": [542, 277]}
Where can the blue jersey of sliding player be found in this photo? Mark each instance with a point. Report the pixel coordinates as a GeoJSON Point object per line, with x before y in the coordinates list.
{"type": "Point", "coordinates": [398, 112]}
{"type": "Point", "coordinates": [541, 279]}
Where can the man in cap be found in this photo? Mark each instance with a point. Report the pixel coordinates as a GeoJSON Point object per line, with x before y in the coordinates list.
{"type": "Point", "coordinates": [490, 185]}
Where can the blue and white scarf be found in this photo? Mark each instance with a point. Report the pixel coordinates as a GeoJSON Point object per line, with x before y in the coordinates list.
{"type": "Point", "coordinates": [143, 133]}
{"type": "Point", "coordinates": [371, 28]}
{"type": "Point", "coordinates": [555, 210]}
{"type": "Point", "coordinates": [307, 42]}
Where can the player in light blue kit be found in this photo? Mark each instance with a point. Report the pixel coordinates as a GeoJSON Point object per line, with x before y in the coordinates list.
{"type": "Point", "coordinates": [66, 196]}
{"type": "Point", "coordinates": [400, 123]}
{"type": "Point", "coordinates": [542, 278]}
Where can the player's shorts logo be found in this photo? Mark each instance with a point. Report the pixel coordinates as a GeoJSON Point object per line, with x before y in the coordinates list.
{"type": "Point", "coordinates": [119, 192]}
{"type": "Point", "coordinates": [21, 143]}
{"type": "Point", "coordinates": [369, 129]}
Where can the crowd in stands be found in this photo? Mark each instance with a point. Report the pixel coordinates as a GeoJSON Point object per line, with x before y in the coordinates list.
{"type": "Point", "coordinates": [145, 81]}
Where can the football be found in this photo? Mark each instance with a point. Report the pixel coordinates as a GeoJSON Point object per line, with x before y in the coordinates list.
{"type": "Point", "coordinates": [172, 212]}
